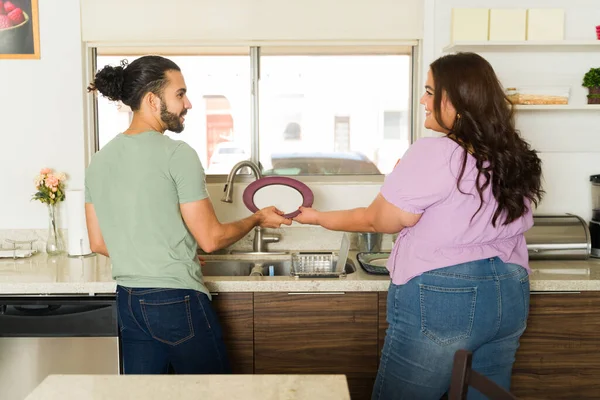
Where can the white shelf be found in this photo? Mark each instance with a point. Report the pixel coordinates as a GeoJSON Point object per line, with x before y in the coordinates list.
{"type": "Point", "coordinates": [548, 46]}
{"type": "Point", "coordinates": [558, 107]}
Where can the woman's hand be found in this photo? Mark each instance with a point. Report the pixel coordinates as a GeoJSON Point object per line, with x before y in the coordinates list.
{"type": "Point", "coordinates": [307, 216]}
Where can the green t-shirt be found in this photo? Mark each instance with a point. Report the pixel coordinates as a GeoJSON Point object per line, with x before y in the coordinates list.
{"type": "Point", "coordinates": [136, 183]}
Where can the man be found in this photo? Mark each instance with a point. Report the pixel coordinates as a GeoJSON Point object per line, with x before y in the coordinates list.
{"type": "Point", "coordinates": [148, 208]}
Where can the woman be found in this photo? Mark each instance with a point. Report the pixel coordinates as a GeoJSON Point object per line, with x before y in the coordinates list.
{"type": "Point", "coordinates": [461, 204]}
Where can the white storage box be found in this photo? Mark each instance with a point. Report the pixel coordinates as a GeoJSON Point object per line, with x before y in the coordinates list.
{"type": "Point", "coordinates": [507, 25]}
{"type": "Point", "coordinates": [469, 24]}
{"type": "Point", "coordinates": [545, 24]}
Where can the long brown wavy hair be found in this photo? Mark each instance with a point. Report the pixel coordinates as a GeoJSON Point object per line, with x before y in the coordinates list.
{"type": "Point", "coordinates": [485, 127]}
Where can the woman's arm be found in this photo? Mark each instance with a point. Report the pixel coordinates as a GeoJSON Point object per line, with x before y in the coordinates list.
{"type": "Point", "coordinates": [380, 216]}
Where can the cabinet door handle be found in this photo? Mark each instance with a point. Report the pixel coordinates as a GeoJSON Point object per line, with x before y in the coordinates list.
{"type": "Point", "coordinates": [316, 293]}
{"type": "Point", "coordinates": [538, 293]}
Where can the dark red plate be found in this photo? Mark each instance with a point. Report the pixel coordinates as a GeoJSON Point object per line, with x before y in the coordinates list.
{"type": "Point", "coordinates": [305, 192]}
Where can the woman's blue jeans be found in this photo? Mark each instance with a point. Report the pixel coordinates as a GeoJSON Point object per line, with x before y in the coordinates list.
{"type": "Point", "coordinates": [481, 306]}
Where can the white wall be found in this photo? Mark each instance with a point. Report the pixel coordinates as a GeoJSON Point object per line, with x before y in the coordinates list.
{"type": "Point", "coordinates": [569, 141]}
{"type": "Point", "coordinates": [41, 114]}
{"type": "Point", "coordinates": [250, 20]}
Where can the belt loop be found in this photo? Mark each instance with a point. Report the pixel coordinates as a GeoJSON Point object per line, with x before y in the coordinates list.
{"type": "Point", "coordinates": [493, 267]}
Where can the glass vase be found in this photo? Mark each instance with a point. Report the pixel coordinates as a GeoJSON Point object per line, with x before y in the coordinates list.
{"type": "Point", "coordinates": [54, 244]}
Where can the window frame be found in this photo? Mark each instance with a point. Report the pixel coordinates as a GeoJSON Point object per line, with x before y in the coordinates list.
{"type": "Point", "coordinates": [254, 51]}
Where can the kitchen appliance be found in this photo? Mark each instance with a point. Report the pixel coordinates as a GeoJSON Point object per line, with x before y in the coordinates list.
{"type": "Point", "coordinates": [595, 222]}
{"type": "Point", "coordinates": [44, 335]}
{"type": "Point", "coordinates": [558, 237]}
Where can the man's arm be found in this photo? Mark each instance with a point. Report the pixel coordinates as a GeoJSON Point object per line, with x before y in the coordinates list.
{"type": "Point", "coordinates": [197, 210]}
{"type": "Point", "coordinates": [97, 244]}
{"type": "Point", "coordinates": [200, 218]}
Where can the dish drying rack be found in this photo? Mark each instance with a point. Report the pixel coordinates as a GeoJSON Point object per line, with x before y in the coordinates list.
{"type": "Point", "coordinates": [15, 252]}
{"type": "Point", "coordinates": [317, 265]}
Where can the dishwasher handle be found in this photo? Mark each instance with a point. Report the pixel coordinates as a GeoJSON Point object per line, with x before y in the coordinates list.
{"type": "Point", "coordinates": [49, 310]}
{"type": "Point", "coordinates": [70, 319]}
{"type": "Point", "coordinates": [37, 310]}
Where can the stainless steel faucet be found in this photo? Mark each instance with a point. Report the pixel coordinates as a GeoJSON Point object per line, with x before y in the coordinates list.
{"type": "Point", "coordinates": [259, 244]}
{"type": "Point", "coordinates": [228, 189]}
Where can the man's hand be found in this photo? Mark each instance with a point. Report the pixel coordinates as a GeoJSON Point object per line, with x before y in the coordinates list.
{"type": "Point", "coordinates": [271, 217]}
{"type": "Point", "coordinates": [202, 261]}
{"type": "Point", "coordinates": [307, 216]}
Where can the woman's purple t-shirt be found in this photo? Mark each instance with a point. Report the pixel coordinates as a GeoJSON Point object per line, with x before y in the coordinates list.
{"type": "Point", "coordinates": [424, 182]}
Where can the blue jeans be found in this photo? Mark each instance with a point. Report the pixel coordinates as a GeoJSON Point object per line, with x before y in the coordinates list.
{"type": "Point", "coordinates": [166, 330]}
{"type": "Point", "coordinates": [481, 306]}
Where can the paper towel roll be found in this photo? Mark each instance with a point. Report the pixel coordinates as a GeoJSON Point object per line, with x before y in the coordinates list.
{"type": "Point", "coordinates": [78, 241]}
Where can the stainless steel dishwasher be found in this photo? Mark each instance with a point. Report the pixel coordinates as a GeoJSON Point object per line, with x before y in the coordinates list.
{"type": "Point", "coordinates": [44, 335]}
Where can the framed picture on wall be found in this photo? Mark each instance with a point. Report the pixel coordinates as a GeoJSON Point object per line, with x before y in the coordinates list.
{"type": "Point", "coordinates": [19, 29]}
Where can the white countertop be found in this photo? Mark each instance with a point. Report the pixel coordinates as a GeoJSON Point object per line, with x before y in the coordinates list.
{"type": "Point", "coordinates": [43, 275]}
{"type": "Point", "coordinates": [192, 387]}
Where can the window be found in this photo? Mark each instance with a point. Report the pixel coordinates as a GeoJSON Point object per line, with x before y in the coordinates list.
{"type": "Point", "coordinates": [217, 126]}
{"type": "Point", "coordinates": [341, 133]}
{"type": "Point", "coordinates": [393, 125]}
{"type": "Point", "coordinates": [316, 111]}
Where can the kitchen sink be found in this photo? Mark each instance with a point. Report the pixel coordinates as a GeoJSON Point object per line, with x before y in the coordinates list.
{"type": "Point", "coordinates": [243, 268]}
{"type": "Point", "coordinates": [219, 267]}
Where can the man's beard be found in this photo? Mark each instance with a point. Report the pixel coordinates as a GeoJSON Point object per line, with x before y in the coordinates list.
{"type": "Point", "coordinates": [170, 119]}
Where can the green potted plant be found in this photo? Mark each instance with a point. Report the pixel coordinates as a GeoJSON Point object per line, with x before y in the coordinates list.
{"type": "Point", "coordinates": [591, 80]}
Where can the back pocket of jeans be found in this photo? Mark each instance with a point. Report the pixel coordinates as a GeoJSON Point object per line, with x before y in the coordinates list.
{"type": "Point", "coordinates": [169, 321]}
{"type": "Point", "coordinates": [447, 313]}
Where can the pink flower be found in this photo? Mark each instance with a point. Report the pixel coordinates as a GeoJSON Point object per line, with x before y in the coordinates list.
{"type": "Point", "coordinates": [51, 181]}
{"type": "Point", "coordinates": [38, 180]}
{"type": "Point", "coordinates": [49, 186]}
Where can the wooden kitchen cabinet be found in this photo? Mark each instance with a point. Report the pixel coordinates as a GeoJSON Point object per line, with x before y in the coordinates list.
{"type": "Point", "coordinates": [235, 311]}
{"type": "Point", "coordinates": [559, 356]}
{"type": "Point", "coordinates": [317, 333]}
{"type": "Point", "coordinates": [382, 325]}
{"type": "Point", "coordinates": [343, 333]}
